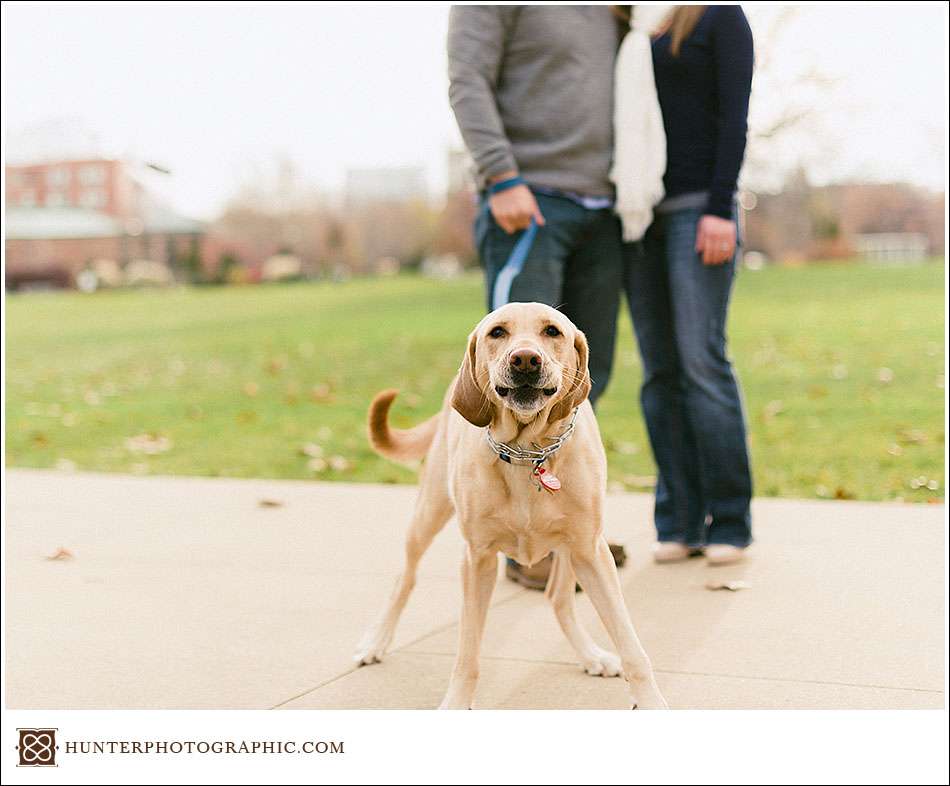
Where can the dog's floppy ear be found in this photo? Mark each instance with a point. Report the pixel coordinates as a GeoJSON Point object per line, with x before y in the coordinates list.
{"type": "Point", "coordinates": [579, 385]}
{"type": "Point", "coordinates": [468, 398]}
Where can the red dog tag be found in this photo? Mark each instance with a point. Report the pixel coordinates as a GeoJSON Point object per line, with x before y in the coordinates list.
{"type": "Point", "coordinates": [547, 479]}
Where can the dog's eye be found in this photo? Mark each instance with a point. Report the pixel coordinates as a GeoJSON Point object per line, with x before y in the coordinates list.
{"type": "Point", "coordinates": [552, 331]}
{"type": "Point", "coordinates": [497, 332]}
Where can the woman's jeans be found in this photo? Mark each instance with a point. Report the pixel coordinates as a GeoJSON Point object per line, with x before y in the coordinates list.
{"type": "Point", "coordinates": [690, 397]}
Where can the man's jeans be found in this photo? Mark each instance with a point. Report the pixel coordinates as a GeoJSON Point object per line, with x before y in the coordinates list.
{"type": "Point", "coordinates": [690, 397]}
{"type": "Point", "coordinates": [575, 265]}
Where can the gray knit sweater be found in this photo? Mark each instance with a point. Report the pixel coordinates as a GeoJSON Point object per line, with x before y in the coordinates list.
{"type": "Point", "coordinates": [532, 90]}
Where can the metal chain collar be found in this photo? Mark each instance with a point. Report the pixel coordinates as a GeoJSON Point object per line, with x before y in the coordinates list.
{"type": "Point", "coordinates": [539, 455]}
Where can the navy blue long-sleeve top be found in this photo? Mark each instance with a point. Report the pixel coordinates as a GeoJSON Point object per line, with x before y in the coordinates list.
{"type": "Point", "coordinates": [704, 97]}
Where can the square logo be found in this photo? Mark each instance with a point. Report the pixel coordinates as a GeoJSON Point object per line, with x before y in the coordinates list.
{"type": "Point", "coordinates": [37, 748]}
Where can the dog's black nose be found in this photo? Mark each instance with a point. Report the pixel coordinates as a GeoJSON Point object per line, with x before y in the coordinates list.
{"type": "Point", "coordinates": [525, 360]}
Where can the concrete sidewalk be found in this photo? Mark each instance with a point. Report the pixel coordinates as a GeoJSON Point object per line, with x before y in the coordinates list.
{"type": "Point", "coordinates": [189, 593]}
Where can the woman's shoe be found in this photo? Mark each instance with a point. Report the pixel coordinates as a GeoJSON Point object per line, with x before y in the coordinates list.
{"type": "Point", "coordinates": [670, 551]}
{"type": "Point", "coordinates": [723, 554]}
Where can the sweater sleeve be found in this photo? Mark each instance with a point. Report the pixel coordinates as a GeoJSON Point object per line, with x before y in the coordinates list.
{"type": "Point", "coordinates": [733, 54]}
{"type": "Point", "coordinates": [476, 44]}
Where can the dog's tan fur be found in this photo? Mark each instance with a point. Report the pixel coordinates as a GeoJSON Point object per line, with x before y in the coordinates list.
{"type": "Point", "coordinates": [499, 506]}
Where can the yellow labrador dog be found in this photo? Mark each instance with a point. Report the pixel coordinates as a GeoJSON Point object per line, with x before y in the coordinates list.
{"type": "Point", "coordinates": [515, 452]}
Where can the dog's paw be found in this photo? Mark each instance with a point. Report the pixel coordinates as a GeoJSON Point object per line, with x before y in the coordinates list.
{"type": "Point", "coordinates": [369, 651]}
{"type": "Point", "coordinates": [372, 646]}
{"type": "Point", "coordinates": [368, 657]}
{"type": "Point", "coordinates": [603, 664]}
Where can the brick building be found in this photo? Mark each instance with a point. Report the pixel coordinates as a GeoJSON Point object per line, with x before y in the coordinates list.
{"type": "Point", "coordinates": [65, 216]}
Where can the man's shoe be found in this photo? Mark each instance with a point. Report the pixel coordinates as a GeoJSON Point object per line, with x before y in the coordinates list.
{"type": "Point", "coordinates": [536, 577]}
{"type": "Point", "coordinates": [619, 554]}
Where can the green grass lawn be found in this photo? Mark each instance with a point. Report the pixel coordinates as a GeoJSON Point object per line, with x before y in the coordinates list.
{"type": "Point", "coordinates": [842, 367]}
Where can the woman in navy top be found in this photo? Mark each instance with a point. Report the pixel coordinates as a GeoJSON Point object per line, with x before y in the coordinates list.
{"type": "Point", "coordinates": [678, 281]}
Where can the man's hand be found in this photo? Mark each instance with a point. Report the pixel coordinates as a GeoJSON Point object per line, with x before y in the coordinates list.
{"type": "Point", "coordinates": [514, 207]}
{"type": "Point", "coordinates": [715, 239]}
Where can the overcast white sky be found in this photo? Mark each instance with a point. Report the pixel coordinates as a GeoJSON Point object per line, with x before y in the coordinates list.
{"type": "Point", "coordinates": [214, 91]}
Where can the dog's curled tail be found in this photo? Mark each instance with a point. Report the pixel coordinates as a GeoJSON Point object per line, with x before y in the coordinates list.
{"type": "Point", "coordinates": [398, 444]}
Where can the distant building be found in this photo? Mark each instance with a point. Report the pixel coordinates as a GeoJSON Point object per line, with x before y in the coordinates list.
{"type": "Point", "coordinates": [885, 221]}
{"type": "Point", "coordinates": [386, 184]}
{"type": "Point", "coordinates": [66, 216]}
{"type": "Point", "coordinates": [898, 247]}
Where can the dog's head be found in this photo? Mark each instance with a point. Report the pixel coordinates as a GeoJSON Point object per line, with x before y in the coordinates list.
{"type": "Point", "coordinates": [526, 358]}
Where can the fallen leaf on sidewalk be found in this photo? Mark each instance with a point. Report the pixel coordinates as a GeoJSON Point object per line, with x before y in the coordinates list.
{"type": "Point", "coordinates": [270, 503]}
{"type": "Point", "coordinates": [732, 586]}
{"type": "Point", "coordinates": [60, 554]}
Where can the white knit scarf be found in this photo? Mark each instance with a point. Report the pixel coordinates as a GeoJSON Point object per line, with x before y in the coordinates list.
{"type": "Point", "coordinates": [639, 139]}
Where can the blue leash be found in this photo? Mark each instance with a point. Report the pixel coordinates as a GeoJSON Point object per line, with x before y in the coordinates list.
{"type": "Point", "coordinates": [501, 291]}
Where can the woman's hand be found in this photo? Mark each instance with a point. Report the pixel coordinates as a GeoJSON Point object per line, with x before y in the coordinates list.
{"type": "Point", "coordinates": [514, 207]}
{"type": "Point", "coordinates": [715, 239]}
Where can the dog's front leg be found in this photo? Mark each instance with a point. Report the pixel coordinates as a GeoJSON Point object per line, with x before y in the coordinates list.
{"type": "Point", "coordinates": [479, 570]}
{"type": "Point", "coordinates": [598, 576]}
{"type": "Point", "coordinates": [560, 591]}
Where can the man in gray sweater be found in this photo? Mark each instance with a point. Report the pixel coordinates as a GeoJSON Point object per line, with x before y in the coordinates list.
{"type": "Point", "coordinates": [532, 91]}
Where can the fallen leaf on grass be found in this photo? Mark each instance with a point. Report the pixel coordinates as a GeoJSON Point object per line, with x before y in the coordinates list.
{"type": "Point", "coordinates": [149, 444]}
{"type": "Point", "coordinates": [843, 493]}
{"type": "Point", "coordinates": [839, 371]}
{"type": "Point", "coordinates": [911, 436]}
{"type": "Point", "coordinates": [60, 554]}
{"type": "Point", "coordinates": [311, 449]}
{"type": "Point", "coordinates": [339, 463]}
{"type": "Point", "coordinates": [275, 365]}
{"type": "Point", "coordinates": [732, 586]}
{"type": "Point", "coordinates": [321, 393]}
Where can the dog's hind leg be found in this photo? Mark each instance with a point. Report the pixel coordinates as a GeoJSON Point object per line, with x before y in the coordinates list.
{"type": "Point", "coordinates": [433, 509]}
{"type": "Point", "coordinates": [560, 591]}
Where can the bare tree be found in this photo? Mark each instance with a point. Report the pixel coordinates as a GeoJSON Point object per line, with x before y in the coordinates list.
{"type": "Point", "coordinates": [790, 95]}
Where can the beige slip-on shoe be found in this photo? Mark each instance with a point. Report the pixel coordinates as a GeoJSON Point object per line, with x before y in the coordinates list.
{"type": "Point", "coordinates": [723, 554]}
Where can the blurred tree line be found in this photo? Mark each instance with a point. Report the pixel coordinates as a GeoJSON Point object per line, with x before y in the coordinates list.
{"type": "Point", "coordinates": [321, 237]}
